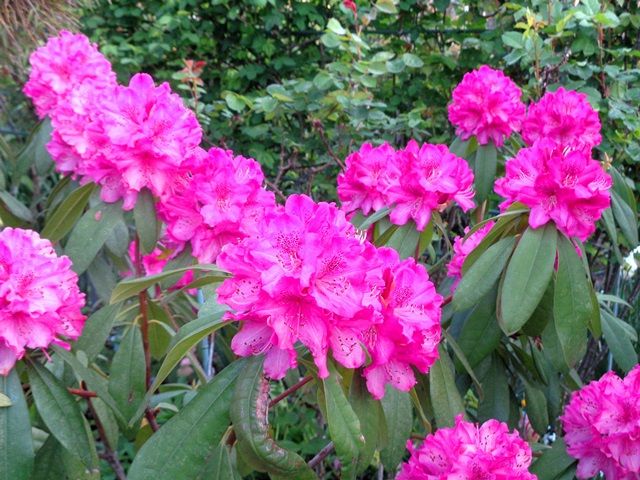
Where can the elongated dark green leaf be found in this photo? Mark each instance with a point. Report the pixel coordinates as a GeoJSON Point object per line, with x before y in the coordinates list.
{"type": "Point", "coordinates": [553, 461]}
{"type": "Point", "coordinates": [53, 461]}
{"type": "Point", "coordinates": [67, 213]}
{"type": "Point", "coordinates": [372, 422]}
{"type": "Point", "coordinates": [90, 233]}
{"type": "Point", "coordinates": [572, 307]}
{"type": "Point", "coordinates": [222, 466]}
{"type": "Point", "coordinates": [127, 380]}
{"type": "Point", "coordinates": [16, 207]}
{"type": "Point", "coordinates": [619, 342]}
{"type": "Point", "coordinates": [146, 219]}
{"type": "Point", "coordinates": [480, 334]}
{"type": "Point", "coordinates": [160, 332]}
{"type": "Point", "coordinates": [486, 164]}
{"type": "Point", "coordinates": [398, 415]}
{"type": "Point", "coordinates": [610, 226]}
{"type": "Point", "coordinates": [405, 240]}
{"type": "Point", "coordinates": [527, 276]}
{"type": "Point", "coordinates": [373, 218]}
{"type": "Point", "coordinates": [16, 447]}
{"type": "Point", "coordinates": [542, 315]}
{"type": "Point", "coordinates": [187, 446]}
{"type": "Point", "coordinates": [536, 407]}
{"type": "Point", "coordinates": [623, 189]}
{"type": "Point", "coordinates": [459, 147]}
{"type": "Point", "coordinates": [625, 218]}
{"type": "Point", "coordinates": [96, 330]}
{"type": "Point", "coordinates": [34, 152]}
{"type": "Point", "coordinates": [344, 425]}
{"type": "Point", "coordinates": [495, 403]}
{"type": "Point", "coordinates": [248, 411]}
{"type": "Point", "coordinates": [60, 413]}
{"type": "Point", "coordinates": [483, 274]}
{"type": "Point", "coordinates": [445, 398]}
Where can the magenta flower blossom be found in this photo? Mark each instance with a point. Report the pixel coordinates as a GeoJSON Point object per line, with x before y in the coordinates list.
{"type": "Point", "coordinates": [368, 175]}
{"type": "Point", "coordinates": [602, 427]}
{"type": "Point", "coordinates": [430, 177]}
{"type": "Point", "coordinates": [62, 65]}
{"type": "Point", "coordinates": [40, 302]}
{"type": "Point", "coordinates": [486, 104]}
{"type": "Point", "coordinates": [560, 184]}
{"type": "Point", "coordinates": [564, 116]}
{"type": "Point", "coordinates": [468, 451]}
{"type": "Point", "coordinates": [463, 247]}
{"type": "Point", "coordinates": [222, 201]}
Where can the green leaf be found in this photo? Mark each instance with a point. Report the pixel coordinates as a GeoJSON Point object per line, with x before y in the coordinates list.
{"type": "Point", "coordinates": [90, 233]}
{"type": "Point", "coordinates": [486, 165]}
{"type": "Point", "coordinates": [334, 26]}
{"type": "Point", "coordinates": [160, 331]}
{"type": "Point", "coordinates": [495, 386]}
{"type": "Point", "coordinates": [527, 276]}
{"type": "Point", "coordinates": [536, 407]}
{"type": "Point", "coordinates": [445, 398]}
{"type": "Point", "coordinates": [344, 425]}
{"type": "Point", "coordinates": [553, 461]}
{"type": "Point", "coordinates": [610, 226]}
{"type": "Point", "coordinates": [248, 412]}
{"type": "Point", "coordinates": [412, 61]}
{"type": "Point", "coordinates": [96, 330]}
{"type": "Point", "coordinates": [625, 218]}
{"type": "Point", "coordinates": [513, 39]}
{"type": "Point", "coordinates": [187, 446]}
{"type": "Point", "coordinates": [405, 240]}
{"type": "Point", "coordinates": [373, 218]}
{"type": "Point", "coordinates": [398, 415]}
{"type": "Point", "coordinates": [619, 342]}
{"type": "Point", "coordinates": [15, 207]}
{"type": "Point", "coordinates": [480, 334]}
{"type": "Point", "coordinates": [16, 446]}
{"type": "Point", "coordinates": [127, 380]}
{"type": "Point", "coordinates": [542, 315]}
{"type": "Point", "coordinates": [60, 413]}
{"type": "Point", "coordinates": [146, 220]}
{"type": "Point", "coordinates": [387, 6]}
{"type": "Point", "coordinates": [371, 417]}
{"type": "Point", "coordinates": [65, 216]}
{"type": "Point", "coordinates": [53, 461]}
{"type": "Point", "coordinates": [480, 279]}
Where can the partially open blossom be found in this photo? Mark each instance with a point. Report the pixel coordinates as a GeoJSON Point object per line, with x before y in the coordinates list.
{"type": "Point", "coordinates": [62, 65]}
{"type": "Point", "coordinates": [564, 116]}
{"type": "Point", "coordinates": [602, 427]}
{"type": "Point", "coordinates": [461, 248]}
{"type": "Point", "coordinates": [469, 451]}
{"type": "Point", "coordinates": [222, 202]}
{"type": "Point", "coordinates": [40, 302]}
{"type": "Point", "coordinates": [560, 184]}
{"type": "Point", "coordinates": [430, 178]}
{"type": "Point", "coordinates": [351, 5]}
{"type": "Point", "coordinates": [486, 104]}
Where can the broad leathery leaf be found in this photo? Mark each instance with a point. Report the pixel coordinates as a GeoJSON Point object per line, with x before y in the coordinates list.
{"type": "Point", "coordinates": [90, 233]}
{"type": "Point", "coordinates": [536, 407]}
{"type": "Point", "coordinates": [495, 386]}
{"type": "Point", "coordinates": [404, 240]}
{"type": "Point", "coordinates": [542, 315]}
{"type": "Point", "coordinates": [445, 398]}
{"type": "Point", "coordinates": [371, 416]}
{"type": "Point", "coordinates": [53, 461]}
{"type": "Point", "coordinates": [131, 287]}
{"type": "Point", "coordinates": [344, 425]}
{"type": "Point", "coordinates": [222, 466]}
{"type": "Point", "coordinates": [623, 189]}
{"type": "Point", "coordinates": [619, 342]}
{"type": "Point", "coordinates": [160, 331]}
{"type": "Point", "coordinates": [461, 360]}
{"type": "Point", "coordinates": [16, 445]}
{"type": "Point", "coordinates": [459, 147]}
{"type": "Point", "coordinates": [572, 307]}
{"type": "Point", "coordinates": [15, 207]}
{"type": "Point", "coordinates": [552, 349]}
{"type": "Point", "coordinates": [108, 420]}
{"type": "Point", "coordinates": [625, 218]}
{"type": "Point", "coordinates": [65, 216]}
{"type": "Point", "coordinates": [553, 461]}
{"type": "Point", "coordinates": [249, 415]}
{"type": "Point", "coordinates": [398, 414]}
{"type": "Point", "coordinates": [373, 218]}
{"type": "Point", "coordinates": [187, 445]}
{"type": "Point", "coordinates": [480, 334]}
{"type": "Point", "coordinates": [146, 220]}
{"type": "Point", "coordinates": [34, 152]}
{"type": "Point", "coordinates": [528, 273]}
{"type": "Point", "coordinates": [483, 274]}
{"type": "Point", "coordinates": [60, 413]}
{"type": "Point", "coordinates": [127, 376]}
{"type": "Point", "coordinates": [610, 226]}
{"type": "Point", "coordinates": [485, 167]}
{"type": "Point", "coordinates": [96, 330]}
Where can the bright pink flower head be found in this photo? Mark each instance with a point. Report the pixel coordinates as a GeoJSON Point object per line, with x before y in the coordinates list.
{"type": "Point", "coordinates": [40, 302]}
{"type": "Point", "coordinates": [368, 175]}
{"type": "Point", "coordinates": [486, 104]}
{"type": "Point", "coordinates": [62, 65]}
{"type": "Point", "coordinates": [560, 184]}
{"type": "Point", "coordinates": [430, 178]}
{"type": "Point", "coordinates": [222, 202]}
{"type": "Point", "coordinates": [463, 247]}
{"type": "Point", "coordinates": [564, 116]}
{"type": "Point", "coordinates": [602, 427]}
{"type": "Point", "coordinates": [469, 451]}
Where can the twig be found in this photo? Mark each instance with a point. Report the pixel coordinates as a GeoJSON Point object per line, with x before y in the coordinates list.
{"type": "Point", "coordinates": [82, 393]}
{"type": "Point", "coordinates": [322, 454]}
{"type": "Point", "coordinates": [290, 390]}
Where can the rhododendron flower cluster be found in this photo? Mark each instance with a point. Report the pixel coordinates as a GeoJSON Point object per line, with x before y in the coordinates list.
{"type": "Point", "coordinates": [309, 277]}
{"type": "Point", "coordinates": [563, 116]}
{"type": "Point", "coordinates": [462, 247]}
{"type": "Point", "coordinates": [223, 202]}
{"type": "Point", "coordinates": [468, 451]}
{"type": "Point", "coordinates": [415, 181]}
{"type": "Point", "coordinates": [602, 427]}
{"type": "Point", "coordinates": [486, 104]}
{"type": "Point", "coordinates": [560, 184]}
{"type": "Point", "coordinates": [40, 302]}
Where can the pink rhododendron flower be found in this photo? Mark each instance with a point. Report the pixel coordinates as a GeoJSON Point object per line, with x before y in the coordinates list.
{"type": "Point", "coordinates": [40, 302]}
{"type": "Point", "coordinates": [564, 116]}
{"type": "Point", "coordinates": [463, 247]}
{"type": "Point", "coordinates": [468, 451]}
{"type": "Point", "coordinates": [222, 201]}
{"type": "Point", "coordinates": [368, 175]}
{"type": "Point", "coordinates": [486, 104]}
{"type": "Point", "coordinates": [430, 177]}
{"type": "Point", "coordinates": [560, 184]}
{"type": "Point", "coordinates": [602, 427]}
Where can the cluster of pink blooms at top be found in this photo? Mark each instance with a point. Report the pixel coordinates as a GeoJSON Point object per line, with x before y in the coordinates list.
{"type": "Point", "coordinates": [462, 247]}
{"type": "Point", "coordinates": [468, 451]}
{"type": "Point", "coordinates": [309, 276]}
{"type": "Point", "coordinates": [416, 181]}
{"type": "Point", "coordinates": [602, 427]}
{"type": "Point", "coordinates": [40, 302]}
